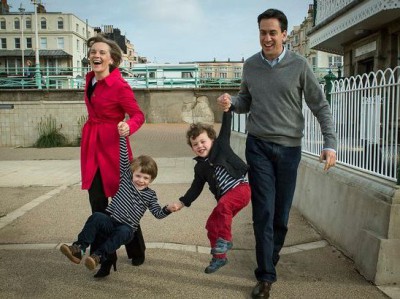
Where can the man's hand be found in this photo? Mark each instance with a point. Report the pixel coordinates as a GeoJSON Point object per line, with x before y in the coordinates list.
{"type": "Point", "coordinates": [224, 102]}
{"type": "Point", "coordinates": [329, 156]}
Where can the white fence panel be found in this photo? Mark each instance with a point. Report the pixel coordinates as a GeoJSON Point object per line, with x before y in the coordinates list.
{"type": "Point", "coordinates": [365, 112]}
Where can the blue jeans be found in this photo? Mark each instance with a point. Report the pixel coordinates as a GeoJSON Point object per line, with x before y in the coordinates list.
{"type": "Point", "coordinates": [109, 233]}
{"type": "Point", "coordinates": [272, 177]}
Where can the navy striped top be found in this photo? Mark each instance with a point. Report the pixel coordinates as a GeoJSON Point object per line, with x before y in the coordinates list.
{"type": "Point", "coordinates": [129, 204]}
{"type": "Point", "coordinates": [225, 181]}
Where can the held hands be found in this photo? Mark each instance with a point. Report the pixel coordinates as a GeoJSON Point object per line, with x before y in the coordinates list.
{"type": "Point", "coordinates": [175, 207]}
{"type": "Point", "coordinates": [123, 129]}
{"type": "Point", "coordinates": [329, 156]}
{"type": "Point", "coordinates": [224, 102]}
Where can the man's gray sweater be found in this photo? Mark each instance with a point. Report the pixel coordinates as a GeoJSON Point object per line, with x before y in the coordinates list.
{"type": "Point", "coordinates": [273, 96]}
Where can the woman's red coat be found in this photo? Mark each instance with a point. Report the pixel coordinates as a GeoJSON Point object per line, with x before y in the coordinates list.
{"type": "Point", "coordinates": [110, 102]}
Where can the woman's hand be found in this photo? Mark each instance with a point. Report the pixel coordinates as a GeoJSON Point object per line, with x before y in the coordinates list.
{"type": "Point", "coordinates": [123, 129]}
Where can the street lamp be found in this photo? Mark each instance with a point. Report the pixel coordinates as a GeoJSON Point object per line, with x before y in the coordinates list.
{"type": "Point", "coordinates": [37, 61]}
{"type": "Point", "coordinates": [22, 10]}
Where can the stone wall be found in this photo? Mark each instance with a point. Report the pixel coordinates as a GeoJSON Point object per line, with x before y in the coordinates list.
{"type": "Point", "coordinates": [22, 110]}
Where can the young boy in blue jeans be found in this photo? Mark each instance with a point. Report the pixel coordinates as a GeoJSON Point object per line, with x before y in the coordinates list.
{"type": "Point", "coordinates": [126, 209]}
{"type": "Point", "coordinates": [224, 172]}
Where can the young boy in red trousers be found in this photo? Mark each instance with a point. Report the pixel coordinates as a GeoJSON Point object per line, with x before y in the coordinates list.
{"type": "Point", "coordinates": [224, 172]}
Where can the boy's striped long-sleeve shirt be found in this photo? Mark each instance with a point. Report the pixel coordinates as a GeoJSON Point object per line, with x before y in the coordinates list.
{"type": "Point", "coordinates": [129, 204]}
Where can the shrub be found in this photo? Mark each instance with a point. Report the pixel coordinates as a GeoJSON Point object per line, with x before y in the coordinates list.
{"type": "Point", "coordinates": [49, 134]}
{"type": "Point", "coordinates": [81, 121]}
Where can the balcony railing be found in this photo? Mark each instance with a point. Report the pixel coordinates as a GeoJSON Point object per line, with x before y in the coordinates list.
{"type": "Point", "coordinates": [73, 78]}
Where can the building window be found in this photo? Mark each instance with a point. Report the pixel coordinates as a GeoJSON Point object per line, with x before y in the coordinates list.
{"type": "Point", "coordinates": [296, 40]}
{"type": "Point", "coordinates": [335, 61]}
{"type": "Point", "coordinates": [3, 43]}
{"type": "Point", "coordinates": [223, 75]}
{"type": "Point", "coordinates": [28, 23]}
{"type": "Point", "coordinates": [29, 43]}
{"type": "Point", "coordinates": [77, 45]}
{"type": "Point", "coordinates": [60, 23]}
{"type": "Point", "coordinates": [187, 75]}
{"type": "Point", "coordinates": [43, 43]}
{"type": "Point", "coordinates": [60, 43]}
{"type": "Point", "coordinates": [43, 23]}
{"type": "Point", "coordinates": [2, 24]}
{"type": "Point", "coordinates": [17, 43]}
{"type": "Point", "coordinates": [17, 24]}
{"type": "Point", "coordinates": [314, 63]}
{"type": "Point", "coordinates": [77, 28]}
{"type": "Point", "coordinates": [238, 75]}
{"type": "Point", "coordinates": [398, 49]}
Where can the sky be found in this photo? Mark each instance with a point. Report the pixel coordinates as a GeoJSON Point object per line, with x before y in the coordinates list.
{"type": "Point", "coordinates": [172, 31]}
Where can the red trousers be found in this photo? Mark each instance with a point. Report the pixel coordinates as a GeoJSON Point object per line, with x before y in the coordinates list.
{"type": "Point", "coordinates": [219, 224]}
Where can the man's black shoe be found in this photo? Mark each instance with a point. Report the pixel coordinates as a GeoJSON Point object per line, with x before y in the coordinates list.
{"type": "Point", "coordinates": [261, 290]}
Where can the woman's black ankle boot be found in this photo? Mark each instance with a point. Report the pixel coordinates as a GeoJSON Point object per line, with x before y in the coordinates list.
{"type": "Point", "coordinates": [106, 266]}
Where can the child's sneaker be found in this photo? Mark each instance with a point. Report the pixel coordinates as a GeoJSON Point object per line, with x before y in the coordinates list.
{"type": "Point", "coordinates": [215, 264]}
{"type": "Point", "coordinates": [92, 261]}
{"type": "Point", "coordinates": [222, 246]}
{"type": "Point", "coordinates": [73, 252]}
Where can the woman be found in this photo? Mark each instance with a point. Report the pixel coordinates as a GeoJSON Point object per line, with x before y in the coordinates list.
{"type": "Point", "coordinates": [108, 99]}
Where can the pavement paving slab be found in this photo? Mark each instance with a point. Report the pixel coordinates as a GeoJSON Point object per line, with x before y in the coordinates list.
{"type": "Point", "coordinates": [43, 206]}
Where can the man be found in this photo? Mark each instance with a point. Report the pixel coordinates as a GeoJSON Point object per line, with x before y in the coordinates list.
{"type": "Point", "coordinates": [273, 83]}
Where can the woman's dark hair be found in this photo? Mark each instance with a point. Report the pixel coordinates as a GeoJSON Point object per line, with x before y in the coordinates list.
{"type": "Point", "coordinates": [115, 50]}
{"type": "Point", "coordinates": [274, 14]}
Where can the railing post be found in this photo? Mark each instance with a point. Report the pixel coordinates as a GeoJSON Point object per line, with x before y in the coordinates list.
{"type": "Point", "coordinates": [38, 77]}
{"type": "Point", "coordinates": [329, 78]}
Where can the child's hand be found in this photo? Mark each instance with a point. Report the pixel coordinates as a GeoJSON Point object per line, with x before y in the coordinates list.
{"type": "Point", "coordinates": [175, 207]}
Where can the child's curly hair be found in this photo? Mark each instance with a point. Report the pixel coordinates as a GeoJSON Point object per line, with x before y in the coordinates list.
{"type": "Point", "coordinates": [196, 129]}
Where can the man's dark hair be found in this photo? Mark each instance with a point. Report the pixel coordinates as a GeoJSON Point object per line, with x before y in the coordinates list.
{"type": "Point", "coordinates": [274, 14]}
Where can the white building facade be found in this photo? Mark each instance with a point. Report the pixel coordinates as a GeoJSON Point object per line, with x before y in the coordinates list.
{"type": "Point", "coordinates": [321, 62]}
{"type": "Point", "coordinates": [61, 39]}
{"type": "Point", "coordinates": [365, 32]}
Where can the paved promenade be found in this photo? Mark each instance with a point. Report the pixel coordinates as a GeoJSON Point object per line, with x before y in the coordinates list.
{"type": "Point", "coordinates": [42, 206]}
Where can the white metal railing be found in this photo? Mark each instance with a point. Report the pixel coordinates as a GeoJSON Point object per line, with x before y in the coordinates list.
{"type": "Point", "coordinates": [365, 113]}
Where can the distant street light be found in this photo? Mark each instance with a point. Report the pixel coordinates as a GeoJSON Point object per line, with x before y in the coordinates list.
{"type": "Point", "coordinates": [37, 61]}
{"type": "Point", "coordinates": [22, 10]}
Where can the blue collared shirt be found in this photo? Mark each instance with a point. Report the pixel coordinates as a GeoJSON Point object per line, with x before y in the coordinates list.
{"type": "Point", "coordinates": [275, 61]}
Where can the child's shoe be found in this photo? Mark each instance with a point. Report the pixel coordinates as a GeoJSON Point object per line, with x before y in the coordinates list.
{"type": "Point", "coordinates": [73, 252]}
{"type": "Point", "coordinates": [222, 246]}
{"type": "Point", "coordinates": [215, 264]}
{"type": "Point", "coordinates": [92, 261]}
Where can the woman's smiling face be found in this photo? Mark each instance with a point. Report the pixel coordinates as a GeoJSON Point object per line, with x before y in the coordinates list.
{"type": "Point", "coordinates": [100, 59]}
